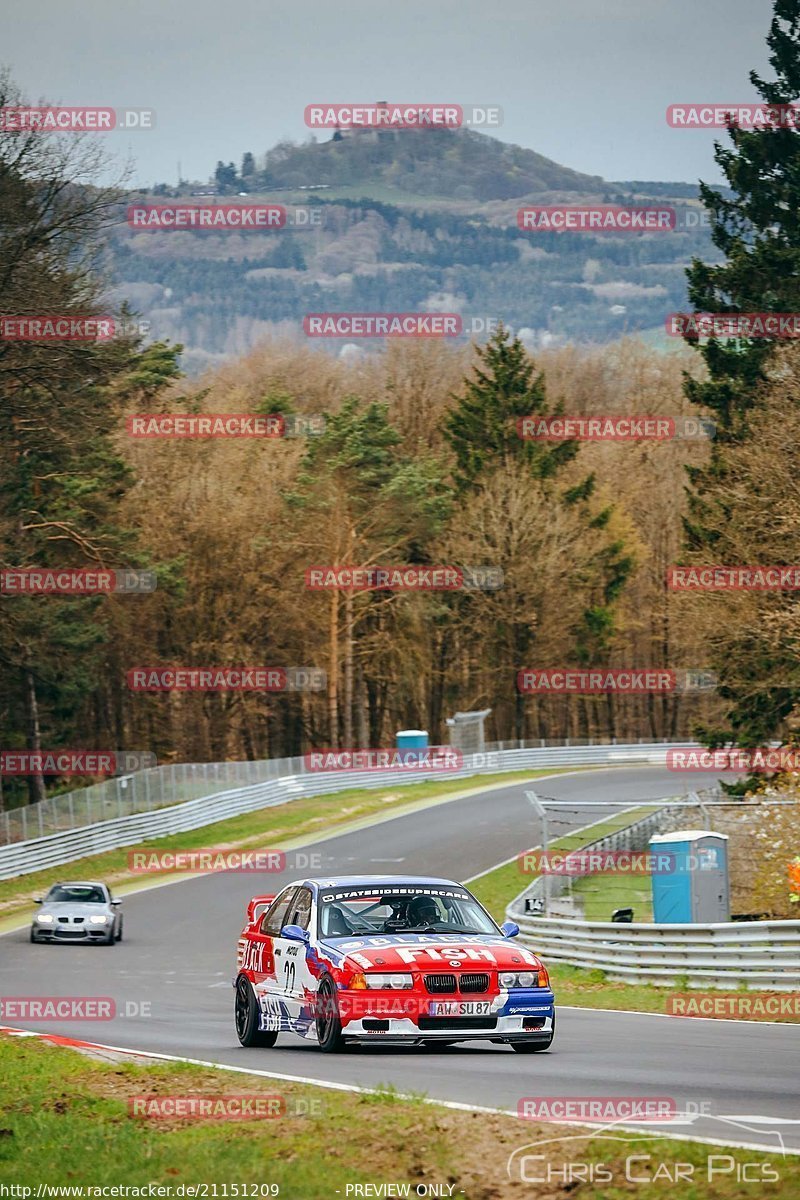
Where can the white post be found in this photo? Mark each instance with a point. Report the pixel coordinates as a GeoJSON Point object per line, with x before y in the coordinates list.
{"type": "Point", "coordinates": [542, 814]}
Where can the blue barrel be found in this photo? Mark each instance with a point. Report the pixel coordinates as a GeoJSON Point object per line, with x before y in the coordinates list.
{"type": "Point", "coordinates": [411, 739]}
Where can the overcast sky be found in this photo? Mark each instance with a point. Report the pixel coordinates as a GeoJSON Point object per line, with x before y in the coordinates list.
{"type": "Point", "coordinates": [585, 82]}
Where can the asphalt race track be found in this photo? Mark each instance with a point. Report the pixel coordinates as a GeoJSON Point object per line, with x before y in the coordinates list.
{"type": "Point", "coordinates": [178, 955]}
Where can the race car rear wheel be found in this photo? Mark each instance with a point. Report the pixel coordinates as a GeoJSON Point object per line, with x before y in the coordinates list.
{"type": "Point", "coordinates": [246, 1017]}
{"type": "Point", "coordinates": [329, 1024]}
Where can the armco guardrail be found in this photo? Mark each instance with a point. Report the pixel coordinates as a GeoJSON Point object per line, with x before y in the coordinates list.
{"type": "Point", "coordinates": [174, 783]}
{"type": "Point", "coordinates": [24, 857]}
{"type": "Point", "coordinates": [758, 954]}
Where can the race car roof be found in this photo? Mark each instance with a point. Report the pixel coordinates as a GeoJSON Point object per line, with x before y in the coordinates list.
{"type": "Point", "coordinates": [379, 881]}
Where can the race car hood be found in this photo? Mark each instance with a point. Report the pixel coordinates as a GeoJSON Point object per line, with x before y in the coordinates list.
{"type": "Point", "coordinates": [433, 952]}
{"type": "Point", "coordinates": [67, 908]}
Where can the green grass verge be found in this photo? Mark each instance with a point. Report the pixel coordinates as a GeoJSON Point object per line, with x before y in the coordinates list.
{"type": "Point", "coordinates": [264, 828]}
{"type": "Point", "coordinates": [497, 888]}
{"type": "Point", "coordinates": [65, 1121]}
{"type": "Point", "coordinates": [600, 894]}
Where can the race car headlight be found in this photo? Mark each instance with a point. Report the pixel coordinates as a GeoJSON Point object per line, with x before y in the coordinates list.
{"type": "Point", "coordinates": [98, 920]}
{"type": "Point", "coordinates": [392, 982]}
{"type": "Point", "coordinates": [520, 979]}
{"type": "Point", "coordinates": [44, 918]}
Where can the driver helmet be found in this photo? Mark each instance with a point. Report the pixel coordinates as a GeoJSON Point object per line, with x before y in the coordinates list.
{"type": "Point", "coordinates": [422, 910]}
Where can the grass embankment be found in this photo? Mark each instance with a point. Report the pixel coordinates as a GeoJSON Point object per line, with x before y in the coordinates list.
{"type": "Point", "coordinates": [266, 828]}
{"type": "Point", "coordinates": [497, 888]}
{"type": "Point", "coordinates": [65, 1120]}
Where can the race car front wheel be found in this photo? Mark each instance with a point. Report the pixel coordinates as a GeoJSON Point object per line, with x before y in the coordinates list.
{"type": "Point", "coordinates": [535, 1047]}
{"type": "Point", "coordinates": [329, 1024]}
{"type": "Point", "coordinates": [246, 1016]}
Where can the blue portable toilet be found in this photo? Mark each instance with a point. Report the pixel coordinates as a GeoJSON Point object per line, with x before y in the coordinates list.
{"type": "Point", "coordinates": [690, 879]}
{"type": "Point", "coordinates": [411, 739]}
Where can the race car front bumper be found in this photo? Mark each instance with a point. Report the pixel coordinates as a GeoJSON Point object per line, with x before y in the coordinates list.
{"type": "Point", "coordinates": [524, 1014]}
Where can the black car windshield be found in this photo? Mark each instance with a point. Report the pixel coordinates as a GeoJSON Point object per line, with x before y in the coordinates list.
{"type": "Point", "coordinates": [344, 912]}
{"type": "Point", "coordinates": [75, 893]}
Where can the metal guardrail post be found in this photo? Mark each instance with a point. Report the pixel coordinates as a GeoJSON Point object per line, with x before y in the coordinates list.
{"type": "Point", "coordinates": [542, 813]}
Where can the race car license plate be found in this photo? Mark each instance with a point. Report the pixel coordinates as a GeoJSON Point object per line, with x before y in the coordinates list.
{"type": "Point", "coordinates": [460, 1008]}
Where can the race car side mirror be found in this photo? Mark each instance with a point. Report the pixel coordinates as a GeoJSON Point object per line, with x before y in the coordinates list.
{"type": "Point", "coordinates": [114, 903]}
{"type": "Point", "coordinates": [38, 900]}
{"type": "Point", "coordinates": [294, 933]}
{"type": "Point", "coordinates": [509, 929]}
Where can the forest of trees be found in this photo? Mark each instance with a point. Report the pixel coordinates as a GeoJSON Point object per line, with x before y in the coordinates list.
{"type": "Point", "coordinates": [419, 462]}
{"type": "Point", "coordinates": [217, 293]}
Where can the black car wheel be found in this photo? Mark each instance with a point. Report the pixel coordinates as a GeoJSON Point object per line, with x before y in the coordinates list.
{"type": "Point", "coordinates": [246, 1017]}
{"type": "Point", "coordinates": [535, 1047]}
{"type": "Point", "coordinates": [119, 932]}
{"type": "Point", "coordinates": [329, 1024]}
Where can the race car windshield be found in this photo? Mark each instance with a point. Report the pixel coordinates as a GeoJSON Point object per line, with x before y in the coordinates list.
{"type": "Point", "coordinates": [65, 894]}
{"type": "Point", "coordinates": [360, 912]}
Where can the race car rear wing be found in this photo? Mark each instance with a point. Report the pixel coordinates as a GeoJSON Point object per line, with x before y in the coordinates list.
{"type": "Point", "coordinates": [257, 906]}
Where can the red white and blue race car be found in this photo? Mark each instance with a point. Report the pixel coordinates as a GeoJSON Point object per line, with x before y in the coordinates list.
{"type": "Point", "coordinates": [386, 959]}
